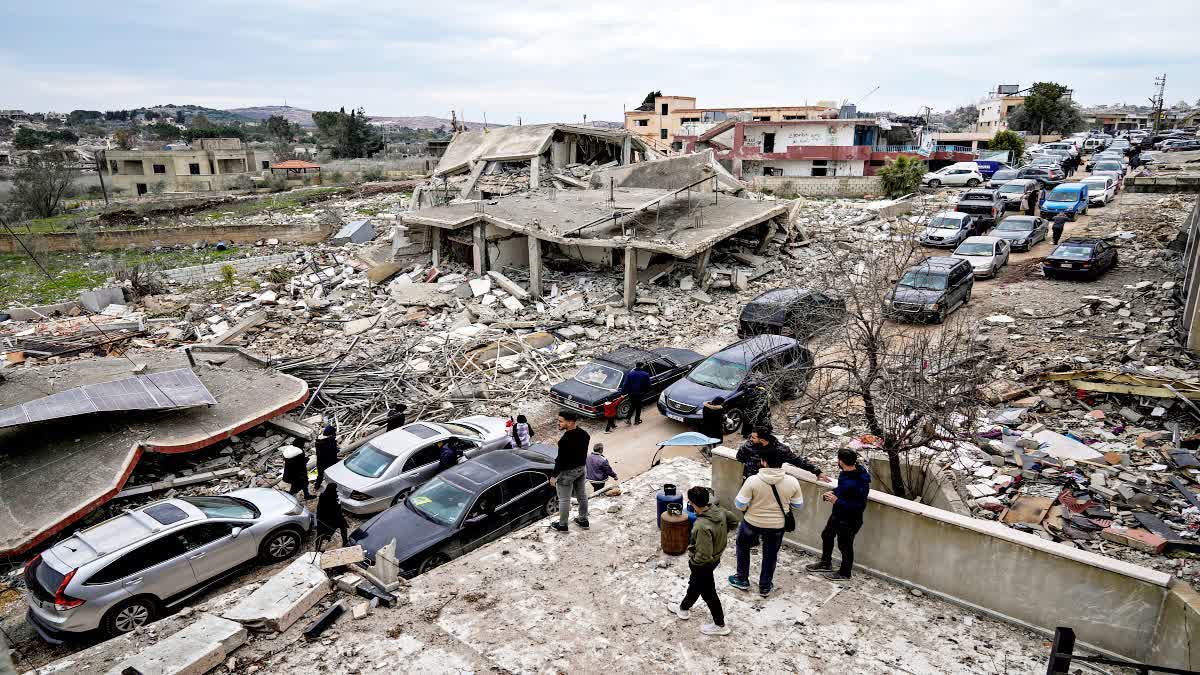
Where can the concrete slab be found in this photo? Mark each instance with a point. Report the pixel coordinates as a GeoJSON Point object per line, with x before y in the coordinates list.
{"type": "Point", "coordinates": [354, 232]}
{"type": "Point", "coordinates": [194, 650]}
{"type": "Point", "coordinates": [280, 602]}
{"type": "Point", "coordinates": [97, 300]}
{"type": "Point", "coordinates": [53, 474]}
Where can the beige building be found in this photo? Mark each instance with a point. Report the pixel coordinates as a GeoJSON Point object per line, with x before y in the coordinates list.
{"type": "Point", "coordinates": [210, 164]}
{"type": "Point", "coordinates": [674, 118]}
{"type": "Point", "coordinates": [993, 113]}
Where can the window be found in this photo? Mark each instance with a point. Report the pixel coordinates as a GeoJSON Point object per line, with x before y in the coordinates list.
{"type": "Point", "coordinates": [685, 120]}
{"type": "Point", "coordinates": [643, 123]}
{"type": "Point", "coordinates": [196, 536]}
{"type": "Point", "coordinates": [194, 169]}
{"type": "Point", "coordinates": [764, 118]}
{"type": "Point", "coordinates": [487, 502]}
{"type": "Point", "coordinates": [422, 431]}
{"type": "Point", "coordinates": [769, 142]}
{"type": "Point", "coordinates": [223, 507]}
{"type": "Point", "coordinates": [522, 482]}
{"type": "Point", "coordinates": [662, 133]}
{"type": "Point", "coordinates": [820, 167]}
{"type": "Point", "coordinates": [141, 188]}
{"type": "Point", "coordinates": [664, 109]}
{"type": "Point", "coordinates": [159, 168]}
{"type": "Point", "coordinates": [369, 461]}
{"type": "Point", "coordinates": [113, 167]}
{"type": "Point", "coordinates": [426, 455]}
{"type": "Point", "coordinates": [156, 552]}
{"type": "Point", "coordinates": [793, 117]}
{"type": "Point", "coordinates": [266, 164]}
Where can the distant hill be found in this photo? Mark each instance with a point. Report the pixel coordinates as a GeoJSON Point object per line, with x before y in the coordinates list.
{"type": "Point", "coordinates": [304, 118]}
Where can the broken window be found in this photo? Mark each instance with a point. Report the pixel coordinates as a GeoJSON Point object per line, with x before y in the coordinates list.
{"type": "Point", "coordinates": [794, 117]}
{"type": "Point", "coordinates": [820, 167]}
{"type": "Point", "coordinates": [772, 171]}
{"type": "Point", "coordinates": [768, 142]}
{"type": "Point", "coordinates": [141, 188]}
{"type": "Point", "coordinates": [194, 169]}
{"type": "Point", "coordinates": [643, 123]}
{"type": "Point", "coordinates": [664, 109]}
{"type": "Point", "coordinates": [266, 164]}
{"type": "Point", "coordinates": [763, 118]}
{"type": "Point", "coordinates": [113, 166]}
{"type": "Point", "coordinates": [662, 133]}
{"type": "Point", "coordinates": [159, 168]}
{"type": "Point", "coordinates": [685, 120]}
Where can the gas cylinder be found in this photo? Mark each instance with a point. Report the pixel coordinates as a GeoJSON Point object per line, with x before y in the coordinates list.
{"type": "Point", "coordinates": [674, 535]}
{"type": "Point", "coordinates": [667, 496]}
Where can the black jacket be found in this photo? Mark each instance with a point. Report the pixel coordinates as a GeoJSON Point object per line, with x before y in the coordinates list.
{"type": "Point", "coordinates": [295, 469]}
{"type": "Point", "coordinates": [712, 424]}
{"type": "Point", "coordinates": [750, 456]}
{"type": "Point", "coordinates": [572, 451]}
{"type": "Point", "coordinates": [327, 451]}
{"type": "Point", "coordinates": [329, 512]}
{"type": "Point", "coordinates": [447, 458]}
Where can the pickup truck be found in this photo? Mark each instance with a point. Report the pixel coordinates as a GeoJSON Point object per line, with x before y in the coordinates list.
{"type": "Point", "coordinates": [983, 204]}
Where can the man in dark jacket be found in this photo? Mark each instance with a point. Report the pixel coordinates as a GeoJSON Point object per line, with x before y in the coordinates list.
{"type": "Point", "coordinates": [295, 470]}
{"type": "Point", "coordinates": [761, 442]}
{"type": "Point", "coordinates": [396, 416]}
{"type": "Point", "coordinates": [327, 453]}
{"type": "Point", "coordinates": [569, 473]}
{"type": "Point", "coordinates": [709, 537]}
{"type": "Point", "coordinates": [712, 421]}
{"type": "Point", "coordinates": [448, 456]}
{"type": "Point", "coordinates": [849, 500]}
{"type": "Point", "coordinates": [329, 515]}
{"type": "Point", "coordinates": [637, 384]}
{"type": "Point", "coordinates": [1057, 225]}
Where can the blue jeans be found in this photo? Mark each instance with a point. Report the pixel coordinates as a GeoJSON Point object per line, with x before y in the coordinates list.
{"type": "Point", "coordinates": [772, 540]}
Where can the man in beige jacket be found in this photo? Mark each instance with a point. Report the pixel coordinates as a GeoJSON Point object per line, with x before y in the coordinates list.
{"type": "Point", "coordinates": [764, 499]}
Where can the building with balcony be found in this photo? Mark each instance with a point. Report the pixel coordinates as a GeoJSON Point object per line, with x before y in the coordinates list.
{"type": "Point", "coordinates": [993, 113]}
{"type": "Point", "coordinates": [671, 119]}
{"type": "Point", "coordinates": [209, 164]}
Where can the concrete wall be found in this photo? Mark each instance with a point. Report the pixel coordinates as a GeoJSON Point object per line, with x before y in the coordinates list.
{"type": "Point", "coordinates": [107, 240]}
{"type": "Point", "coordinates": [1113, 606]}
{"type": "Point", "coordinates": [838, 186]}
{"type": "Point", "coordinates": [201, 273]}
{"type": "Point", "coordinates": [803, 167]}
{"type": "Point", "coordinates": [1163, 183]}
{"type": "Point", "coordinates": [787, 135]}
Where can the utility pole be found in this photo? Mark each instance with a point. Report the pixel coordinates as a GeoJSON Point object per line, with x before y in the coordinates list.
{"type": "Point", "coordinates": [101, 162]}
{"type": "Point", "coordinates": [1160, 82]}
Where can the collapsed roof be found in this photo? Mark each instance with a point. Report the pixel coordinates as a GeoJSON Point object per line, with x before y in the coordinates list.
{"type": "Point", "coordinates": [522, 143]}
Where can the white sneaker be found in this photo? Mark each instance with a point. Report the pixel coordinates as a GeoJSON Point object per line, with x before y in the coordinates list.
{"type": "Point", "coordinates": [714, 629]}
{"type": "Point", "coordinates": [681, 613]}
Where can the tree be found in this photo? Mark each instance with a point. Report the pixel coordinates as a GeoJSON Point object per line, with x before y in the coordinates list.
{"type": "Point", "coordinates": [124, 138]}
{"type": "Point", "coordinates": [200, 121]}
{"type": "Point", "coordinates": [163, 131]}
{"type": "Point", "coordinates": [963, 118]}
{"type": "Point", "coordinates": [39, 186]}
{"type": "Point", "coordinates": [1046, 110]}
{"type": "Point", "coordinates": [348, 135]}
{"type": "Point", "coordinates": [78, 117]}
{"type": "Point", "coordinates": [179, 118]}
{"type": "Point", "coordinates": [902, 175]}
{"type": "Point", "coordinates": [33, 139]}
{"type": "Point", "coordinates": [1010, 141]}
{"type": "Point", "coordinates": [278, 127]}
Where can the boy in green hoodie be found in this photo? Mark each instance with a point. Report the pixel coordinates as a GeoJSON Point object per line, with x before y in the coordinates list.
{"type": "Point", "coordinates": [710, 533]}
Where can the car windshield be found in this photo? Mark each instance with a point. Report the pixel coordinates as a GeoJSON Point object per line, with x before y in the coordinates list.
{"type": "Point", "coordinates": [222, 507]}
{"type": "Point", "coordinates": [718, 374]}
{"type": "Point", "coordinates": [440, 501]}
{"type": "Point", "coordinates": [1014, 225]}
{"type": "Point", "coordinates": [1004, 174]}
{"type": "Point", "coordinates": [924, 280]}
{"type": "Point", "coordinates": [369, 461]}
{"type": "Point", "coordinates": [945, 223]}
{"type": "Point", "coordinates": [600, 376]}
{"type": "Point", "coordinates": [1073, 252]}
{"type": "Point", "coordinates": [461, 430]}
{"type": "Point", "coordinates": [974, 248]}
{"type": "Point", "coordinates": [1062, 196]}
{"type": "Point", "coordinates": [1108, 166]}
{"type": "Point", "coordinates": [1012, 187]}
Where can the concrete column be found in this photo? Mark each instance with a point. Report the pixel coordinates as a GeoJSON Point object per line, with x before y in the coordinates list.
{"type": "Point", "coordinates": [630, 277]}
{"type": "Point", "coordinates": [479, 250]}
{"type": "Point", "coordinates": [626, 150]}
{"type": "Point", "coordinates": [535, 167]}
{"type": "Point", "coordinates": [535, 266]}
{"type": "Point", "coordinates": [702, 265]}
{"type": "Point", "coordinates": [437, 238]}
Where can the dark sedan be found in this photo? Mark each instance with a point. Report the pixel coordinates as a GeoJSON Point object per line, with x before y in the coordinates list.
{"type": "Point", "coordinates": [1021, 232]}
{"type": "Point", "coordinates": [463, 508]}
{"type": "Point", "coordinates": [1087, 258]}
{"type": "Point", "coordinates": [794, 312]}
{"type": "Point", "coordinates": [1046, 176]}
{"type": "Point", "coordinates": [600, 381]}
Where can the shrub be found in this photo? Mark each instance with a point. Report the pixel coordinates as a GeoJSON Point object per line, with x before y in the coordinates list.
{"type": "Point", "coordinates": [902, 175]}
{"type": "Point", "coordinates": [373, 174]}
{"type": "Point", "coordinates": [277, 183]}
{"type": "Point", "coordinates": [243, 182]}
{"type": "Point", "coordinates": [279, 275]}
{"type": "Point", "coordinates": [336, 176]}
{"type": "Point", "coordinates": [143, 278]}
{"type": "Point", "coordinates": [228, 274]}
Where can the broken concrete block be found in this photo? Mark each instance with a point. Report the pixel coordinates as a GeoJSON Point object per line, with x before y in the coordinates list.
{"type": "Point", "coordinates": [280, 602]}
{"type": "Point", "coordinates": [509, 285]}
{"type": "Point", "coordinates": [1000, 320]}
{"type": "Point", "coordinates": [1130, 414]}
{"type": "Point", "coordinates": [268, 298]}
{"type": "Point", "coordinates": [361, 610]}
{"type": "Point", "coordinates": [1135, 537]}
{"type": "Point", "coordinates": [354, 232]}
{"type": "Point", "coordinates": [512, 303]}
{"type": "Point", "coordinates": [347, 582]}
{"type": "Point", "coordinates": [339, 557]}
{"type": "Point", "coordinates": [480, 287]}
{"type": "Point", "coordinates": [358, 326]}
{"type": "Point", "coordinates": [195, 650]}
{"type": "Point", "coordinates": [97, 300]}
{"type": "Point", "coordinates": [381, 273]}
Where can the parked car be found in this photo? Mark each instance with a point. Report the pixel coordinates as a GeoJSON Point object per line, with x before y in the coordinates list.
{"type": "Point", "coordinates": [1019, 193]}
{"type": "Point", "coordinates": [387, 467]}
{"type": "Point", "coordinates": [1093, 145]}
{"type": "Point", "coordinates": [1080, 257]}
{"type": "Point", "coordinates": [1021, 232]}
{"type": "Point", "coordinates": [1065, 146]}
{"type": "Point", "coordinates": [1068, 198]}
{"type": "Point", "coordinates": [953, 176]}
{"type": "Point", "coordinates": [985, 204]}
{"type": "Point", "coordinates": [931, 290]}
{"type": "Point", "coordinates": [601, 380]}
{"type": "Point", "coordinates": [1101, 189]}
{"type": "Point", "coordinates": [463, 508]}
{"type": "Point", "coordinates": [1106, 156]}
{"type": "Point", "coordinates": [1110, 168]}
{"type": "Point", "coordinates": [1049, 161]}
{"type": "Point", "coordinates": [1001, 177]}
{"type": "Point", "coordinates": [1046, 176]}
{"type": "Point", "coordinates": [127, 571]}
{"type": "Point", "coordinates": [794, 312]}
{"type": "Point", "coordinates": [781, 361]}
{"type": "Point", "coordinates": [1184, 146]}
{"type": "Point", "coordinates": [948, 229]}
{"type": "Point", "coordinates": [986, 254]}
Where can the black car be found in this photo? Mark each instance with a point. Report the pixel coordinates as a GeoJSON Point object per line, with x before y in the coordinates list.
{"type": "Point", "coordinates": [1077, 257]}
{"type": "Point", "coordinates": [463, 508]}
{"type": "Point", "coordinates": [1001, 177]}
{"type": "Point", "coordinates": [932, 289]}
{"type": "Point", "coordinates": [1021, 232]}
{"type": "Point", "coordinates": [986, 205]}
{"type": "Point", "coordinates": [1046, 176]}
{"type": "Point", "coordinates": [600, 381]}
{"type": "Point", "coordinates": [794, 312]}
{"type": "Point", "coordinates": [780, 362]}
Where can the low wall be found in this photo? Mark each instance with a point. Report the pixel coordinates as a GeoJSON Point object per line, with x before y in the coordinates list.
{"type": "Point", "coordinates": [1113, 606]}
{"type": "Point", "coordinates": [837, 186]}
{"type": "Point", "coordinates": [1163, 182]}
{"type": "Point", "coordinates": [107, 240]}
{"type": "Point", "coordinates": [201, 273]}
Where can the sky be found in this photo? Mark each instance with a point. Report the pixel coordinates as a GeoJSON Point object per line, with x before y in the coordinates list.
{"type": "Point", "coordinates": [555, 61]}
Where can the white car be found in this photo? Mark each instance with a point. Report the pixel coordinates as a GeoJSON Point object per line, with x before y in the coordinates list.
{"type": "Point", "coordinates": [1101, 189]}
{"type": "Point", "coordinates": [986, 254]}
{"type": "Point", "coordinates": [952, 175]}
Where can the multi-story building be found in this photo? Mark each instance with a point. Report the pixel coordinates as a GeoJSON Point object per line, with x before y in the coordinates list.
{"type": "Point", "coordinates": [664, 125]}
{"type": "Point", "coordinates": [209, 164]}
{"type": "Point", "coordinates": [993, 113]}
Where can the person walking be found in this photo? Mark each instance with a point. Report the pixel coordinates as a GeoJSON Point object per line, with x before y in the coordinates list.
{"type": "Point", "coordinates": [757, 410]}
{"type": "Point", "coordinates": [610, 413]}
{"type": "Point", "coordinates": [522, 432]}
{"type": "Point", "coordinates": [567, 476]}
{"type": "Point", "coordinates": [295, 470]}
{"type": "Point", "coordinates": [598, 468]}
{"type": "Point", "coordinates": [706, 544]}
{"type": "Point", "coordinates": [396, 416]}
{"type": "Point", "coordinates": [766, 499]}
{"type": "Point", "coordinates": [330, 517]}
{"type": "Point", "coordinates": [849, 501]}
{"type": "Point", "coordinates": [712, 420]}
{"type": "Point", "coordinates": [1057, 225]}
{"type": "Point", "coordinates": [637, 383]}
{"type": "Point", "coordinates": [1034, 198]}
{"type": "Point", "coordinates": [761, 441]}
{"type": "Point", "coordinates": [327, 453]}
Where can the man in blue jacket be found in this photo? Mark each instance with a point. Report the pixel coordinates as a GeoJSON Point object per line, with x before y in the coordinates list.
{"type": "Point", "coordinates": [849, 500]}
{"type": "Point", "coordinates": [637, 383]}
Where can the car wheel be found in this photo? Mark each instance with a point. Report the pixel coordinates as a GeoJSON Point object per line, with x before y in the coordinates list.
{"type": "Point", "coordinates": [733, 420]}
{"type": "Point", "coordinates": [935, 183]}
{"type": "Point", "coordinates": [279, 545]}
{"type": "Point", "coordinates": [129, 615]}
{"type": "Point", "coordinates": [1084, 212]}
{"type": "Point", "coordinates": [401, 495]}
{"type": "Point", "coordinates": [938, 317]}
{"type": "Point", "coordinates": [436, 560]}
{"type": "Point", "coordinates": [973, 183]}
{"type": "Point", "coordinates": [1071, 216]}
{"type": "Point", "coordinates": [550, 508]}
{"type": "Point", "coordinates": [624, 409]}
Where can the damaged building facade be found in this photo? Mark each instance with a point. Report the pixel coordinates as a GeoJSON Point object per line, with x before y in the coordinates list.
{"type": "Point", "coordinates": [666, 123]}
{"type": "Point", "coordinates": [210, 164]}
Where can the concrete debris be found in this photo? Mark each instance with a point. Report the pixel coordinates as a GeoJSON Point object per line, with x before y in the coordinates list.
{"type": "Point", "coordinates": [284, 598]}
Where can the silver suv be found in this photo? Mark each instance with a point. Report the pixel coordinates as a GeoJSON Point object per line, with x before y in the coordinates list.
{"type": "Point", "coordinates": [123, 573]}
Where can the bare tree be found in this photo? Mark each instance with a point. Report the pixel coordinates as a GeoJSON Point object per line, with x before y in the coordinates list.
{"type": "Point", "coordinates": [39, 186]}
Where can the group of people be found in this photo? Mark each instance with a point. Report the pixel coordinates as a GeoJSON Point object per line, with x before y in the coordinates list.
{"type": "Point", "coordinates": [330, 517]}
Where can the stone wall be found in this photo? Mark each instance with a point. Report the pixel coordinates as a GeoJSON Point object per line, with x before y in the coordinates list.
{"type": "Point", "coordinates": [1163, 182]}
{"type": "Point", "coordinates": [201, 273]}
{"type": "Point", "coordinates": [107, 240]}
{"type": "Point", "coordinates": [837, 186]}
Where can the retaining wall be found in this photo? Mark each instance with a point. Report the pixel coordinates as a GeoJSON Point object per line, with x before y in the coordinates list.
{"type": "Point", "coordinates": [201, 273]}
{"type": "Point", "coordinates": [1164, 182]}
{"type": "Point", "coordinates": [837, 186]}
{"type": "Point", "coordinates": [107, 240]}
{"type": "Point", "coordinates": [1114, 607]}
